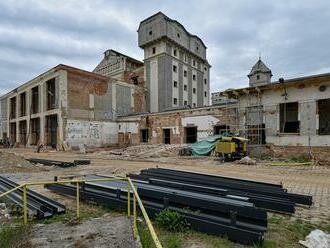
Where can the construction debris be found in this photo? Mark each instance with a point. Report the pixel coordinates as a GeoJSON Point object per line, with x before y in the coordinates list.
{"type": "Point", "coordinates": [247, 160]}
{"type": "Point", "coordinates": [217, 205]}
{"type": "Point", "coordinates": [37, 204]}
{"type": "Point", "coordinates": [4, 214]}
{"type": "Point", "coordinates": [316, 239]}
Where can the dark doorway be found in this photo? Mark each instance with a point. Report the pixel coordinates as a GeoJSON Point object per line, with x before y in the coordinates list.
{"type": "Point", "coordinates": [51, 131]}
{"type": "Point", "coordinates": [12, 132]}
{"type": "Point", "coordinates": [167, 136]}
{"type": "Point", "coordinates": [323, 107]}
{"type": "Point", "coordinates": [35, 130]}
{"type": "Point", "coordinates": [22, 132]}
{"type": "Point", "coordinates": [144, 135]}
{"type": "Point", "coordinates": [191, 134]}
{"type": "Point", "coordinates": [220, 129]}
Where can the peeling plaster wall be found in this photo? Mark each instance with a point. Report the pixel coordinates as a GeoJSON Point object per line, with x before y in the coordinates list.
{"type": "Point", "coordinates": [91, 133]}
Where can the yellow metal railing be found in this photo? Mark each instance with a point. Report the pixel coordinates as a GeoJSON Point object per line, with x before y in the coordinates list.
{"type": "Point", "coordinates": [130, 189]}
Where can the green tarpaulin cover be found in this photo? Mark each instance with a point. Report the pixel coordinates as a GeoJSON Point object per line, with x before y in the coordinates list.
{"type": "Point", "coordinates": [205, 146]}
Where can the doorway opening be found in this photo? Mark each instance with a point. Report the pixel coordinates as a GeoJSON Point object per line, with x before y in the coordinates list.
{"type": "Point", "coordinates": [191, 134]}
{"type": "Point", "coordinates": [167, 136]}
{"type": "Point", "coordinates": [22, 132]}
{"type": "Point", "coordinates": [35, 131]}
{"type": "Point", "coordinates": [144, 135]}
{"type": "Point", "coordinates": [12, 137]}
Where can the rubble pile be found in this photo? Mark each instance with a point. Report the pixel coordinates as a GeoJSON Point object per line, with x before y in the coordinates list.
{"type": "Point", "coordinates": [4, 214]}
{"type": "Point", "coordinates": [11, 163]}
{"type": "Point", "coordinates": [143, 151]}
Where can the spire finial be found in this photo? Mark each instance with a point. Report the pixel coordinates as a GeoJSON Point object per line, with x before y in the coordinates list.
{"type": "Point", "coordinates": [259, 55]}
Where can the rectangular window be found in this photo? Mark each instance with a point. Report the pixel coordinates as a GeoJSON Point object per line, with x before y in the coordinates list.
{"type": "Point", "coordinates": [194, 90]}
{"type": "Point", "coordinates": [205, 81]}
{"type": "Point", "coordinates": [144, 135]}
{"type": "Point", "coordinates": [323, 107]}
{"type": "Point", "coordinates": [174, 68]}
{"type": "Point", "coordinates": [13, 108]}
{"type": "Point", "coordinates": [35, 100]}
{"type": "Point", "coordinates": [194, 63]}
{"type": "Point", "coordinates": [205, 93]}
{"type": "Point", "coordinates": [194, 105]}
{"type": "Point", "coordinates": [51, 93]}
{"type": "Point", "coordinates": [175, 101]}
{"type": "Point", "coordinates": [194, 77]}
{"type": "Point", "coordinates": [174, 52]}
{"type": "Point", "coordinates": [185, 103]}
{"type": "Point", "coordinates": [289, 122]}
{"type": "Point", "coordinates": [185, 73]}
{"type": "Point", "coordinates": [153, 50]}
{"type": "Point", "coordinates": [23, 104]}
{"type": "Point", "coordinates": [175, 84]}
{"type": "Point", "coordinates": [185, 87]}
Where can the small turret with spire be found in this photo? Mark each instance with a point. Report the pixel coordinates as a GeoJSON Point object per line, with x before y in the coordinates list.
{"type": "Point", "coordinates": [260, 74]}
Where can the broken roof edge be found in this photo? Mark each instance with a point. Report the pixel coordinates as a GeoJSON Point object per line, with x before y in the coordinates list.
{"type": "Point", "coordinates": [273, 84]}
{"type": "Point", "coordinates": [129, 57]}
{"type": "Point", "coordinates": [53, 69]}
{"type": "Point", "coordinates": [175, 21]}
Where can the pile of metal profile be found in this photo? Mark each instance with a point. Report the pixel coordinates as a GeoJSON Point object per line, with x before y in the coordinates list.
{"type": "Point", "coordinates": [37, 205]}
{"type": "Point", "coordinates": [272, 197]}
{"type": "Point", "coordinates": [62, 164]}
{"type": "Point", "coordinates": [235, 217]}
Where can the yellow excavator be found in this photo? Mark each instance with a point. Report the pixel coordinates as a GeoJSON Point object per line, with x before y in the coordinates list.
{"type": "Point", "coordinates": [231, 148]}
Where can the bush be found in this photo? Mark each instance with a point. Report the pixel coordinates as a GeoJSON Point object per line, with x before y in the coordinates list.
{"type": "Point", "coordinates": [172, 221]}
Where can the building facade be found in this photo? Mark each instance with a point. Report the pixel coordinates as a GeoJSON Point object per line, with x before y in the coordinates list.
{"type": "Point", "coordinates": [177, 72]}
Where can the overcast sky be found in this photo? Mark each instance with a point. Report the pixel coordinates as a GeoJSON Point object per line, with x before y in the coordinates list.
{"type": "Point", "coordinates": [293, 36]}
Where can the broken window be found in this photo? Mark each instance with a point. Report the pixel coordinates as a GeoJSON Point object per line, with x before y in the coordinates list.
{"type": "Point", "coordinates": [205, 81]}
{"type": "Point", "coordinates": [174, 68]}
{"type": "Point", "coordinates": [153, 50]}
{"type": "Point", "coordinates": [51, 131]}
{"type": "Point", "coordinates": [289, 122]}
{"type": "Point", "coordinates": [12, 132]}
{"type": "Point", "coordinates": [194, 90]}
{"type": "Point", "coordinates": [185, 103]}
{"type": "Point", "coordinates": [323, 107]}
{"type": "Point", "coordinates": [50, 86]}
{"type": "Point", "coordinates": [35, 130]}
{"type": "Point", "coordinates": [194, 77]}
{"type": "Point", "coordinates": [174, 52]}
{"type": "Point", "coordinates": [175, 84]}
{"type": "Point", "coordinates": [185, 73]}
{"type": "Point", "coordinates": [23, 104]}
{"type": "Point", "coordinates": [35, 100]}
{"type": "Point", "coordinates": [144, 135]}
{"type": "Point", "coordinates": [22, 132]}
{"type": "Point", "coordinates": [191, 134]}
{"type": "Point", "coordinates": [205, 93]}
{"type": "Point", "coordinates": [175, 101]}
{"type": "Point", "coordinates": [185, 87]}
{"type": "Point", "coordinates": [12, 108]}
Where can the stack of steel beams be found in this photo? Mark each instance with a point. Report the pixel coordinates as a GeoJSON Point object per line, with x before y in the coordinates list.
{"type": "Point", "coordinates": [63, 164]}
{"type": "Point", "coordinates": [37, 204]}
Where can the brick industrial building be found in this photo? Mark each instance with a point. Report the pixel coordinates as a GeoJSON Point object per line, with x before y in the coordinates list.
{"type": "Point", "coordinates": [164, 99]}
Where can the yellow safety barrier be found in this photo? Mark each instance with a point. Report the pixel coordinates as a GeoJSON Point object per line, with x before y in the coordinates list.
{"type": "Point", "coordinates": [130, 188]}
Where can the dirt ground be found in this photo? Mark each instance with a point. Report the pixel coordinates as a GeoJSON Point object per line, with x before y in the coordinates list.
{"type": "Point", "coordinates": [310, 180]}
{"type": "Point", "coordinates": [103, 232]}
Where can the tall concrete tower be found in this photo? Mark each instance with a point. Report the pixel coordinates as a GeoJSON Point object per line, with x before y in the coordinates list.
{"type": "Point", "coordinates": [260, 74]}
{"type": "Point", "coordinates": [177, 72]}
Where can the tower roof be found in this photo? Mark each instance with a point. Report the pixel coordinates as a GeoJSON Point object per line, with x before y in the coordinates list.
{"type": "Point", "coordinates": [259, 67]}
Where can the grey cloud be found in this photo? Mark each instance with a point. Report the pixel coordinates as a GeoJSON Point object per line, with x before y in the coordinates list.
{"type": "Point", "coordinates": [293, 36]}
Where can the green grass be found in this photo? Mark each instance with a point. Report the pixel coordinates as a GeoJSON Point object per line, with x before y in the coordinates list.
{"type": "Point", "coordinates": [283, 232]}
{"type": "Point", "coordinates": [13, 236]}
